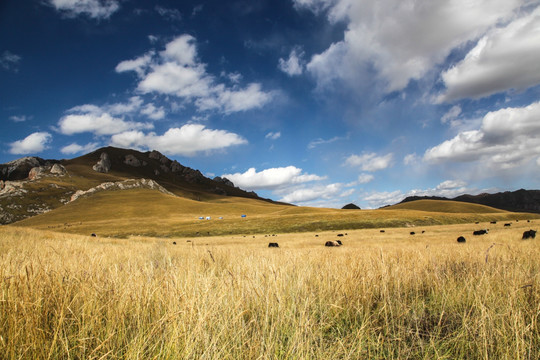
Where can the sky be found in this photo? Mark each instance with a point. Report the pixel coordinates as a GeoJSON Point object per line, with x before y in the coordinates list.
{"type": "Point", "coordinates": [310, 102]}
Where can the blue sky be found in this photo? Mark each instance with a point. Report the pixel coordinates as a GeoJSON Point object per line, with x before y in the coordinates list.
{"type": "Point", "coordinates": [312, 102]}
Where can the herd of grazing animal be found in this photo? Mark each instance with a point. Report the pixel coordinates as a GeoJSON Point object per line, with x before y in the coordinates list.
{"type": "Point", "coordinates": [529, 234]}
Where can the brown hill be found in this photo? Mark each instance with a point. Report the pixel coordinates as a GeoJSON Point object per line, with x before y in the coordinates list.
{"type": "Point", "coordinates": [31, 185]}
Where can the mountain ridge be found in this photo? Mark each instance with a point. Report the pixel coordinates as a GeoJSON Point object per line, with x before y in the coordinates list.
{"type": "Point", "coordinates": [516, 201]}
{"type": "Point", "coordinates": [32, 185]}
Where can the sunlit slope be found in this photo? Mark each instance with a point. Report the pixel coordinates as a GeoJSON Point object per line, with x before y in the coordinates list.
{"type": "Point", "coordinates": [445, 207]}
{"type": "Point", "coordinates": [152, 213]}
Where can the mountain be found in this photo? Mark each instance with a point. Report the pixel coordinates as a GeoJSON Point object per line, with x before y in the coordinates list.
{"type": "Point", "coordinates": [515, 201]}
{"type": "Point", "coordinates": [31, 185]}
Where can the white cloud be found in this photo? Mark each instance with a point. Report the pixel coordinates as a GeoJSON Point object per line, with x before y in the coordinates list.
{"type": "Point", "coordinates": [400, 40]}
{"type": "Point", "coordinates": [153, 112]}
{"type": "Point", "coordinates": [10, 61]}
{"type": "Point", "coordinates": [507, 138]}
{"type": "Point", "coordinates": [379, 199]}
{"type": "Point", "coordinates": [294, 65]}
{"type": "Point", "coordinates": [273, 135]}
{"type": "Point", "coordinates": [33, 143]}
{"type": "Point", "coordinates": [169, 14]}
{"type": "Point", "coordinates": [109, 119]}
{"type": "Point", "coordinates": [410, 159]}
{"type": "Point", "coordinates": [75, 148]}
{"type": "Point", "coordinates": [314, 143]}
{"type": "Point", "coordinates": [102, 124]}
{"type": "Point", "coordinates": [188, 140]}
{"type": "Point", "coordinates": [326, 192]}
{"type": "Point", "coordinates": [505, 58]}
{"type": "Point", "coordinates": [18, 118]}
{"type": "Point", "coordinates": [177, 71]}
{"type": "Point", "coordinates": [370, 161]}
{"type": "Point", "coordinates": [272, 178]}
{"type": "Point", "coordinates": [451, 114]}
{"type": "Point", "coordinates": [97, 9]}
{"type": "Point", "coordinates": [365, 178]}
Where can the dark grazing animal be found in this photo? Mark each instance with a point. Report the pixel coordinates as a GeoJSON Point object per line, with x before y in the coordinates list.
{"type": "Point", "coordinates": [93, 235]}
{"type": "Point", "coordinates": [382, 231]}
{"type": "Point", "coordinates": [332, 243]}
{"type": "Point", "coordinates": [461, 239]}
{"type": "Point", "coordinates": [340, 235]}
{"type": "Point", "coordinates": [273, 245]}
{"type": "Point", "coordinates": [339, 242]}
{"type": "Point", "coordinates": [480, 232]}
{"type": "Point", "coordinates": [174, 242]}
{"type": "Point", "coordinates": [412, 232]}
{"type": "Point", "coordinates": [493, 222]}
{"type": "Point", "coordinates": [508, 224]}
{"type": "Point", "coordinates": [530, 234]}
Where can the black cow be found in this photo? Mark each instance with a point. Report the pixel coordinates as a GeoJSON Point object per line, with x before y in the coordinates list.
{"type": "Point", "coordinates": [530, 234]}
{"type": "Point", "coordinates": [273, 245]}
{"type": "Point", "coordinates": [493, 222]}
{"type": "Point", "coordinates": [480, 232]}
{"type": "Point", "coordinates": [332, 243]}
{"type": "Point", "coordinates": [339, 235]}
{"type": "Point", "coordinates": [461, 239]}
{"type": "Point", "coordinates": [382, 231]}
{"type": "Point", "coordinates": [412, 232]}
{"type": "Point", "coordinates": [339, 242]}
{"type": "Point", "coordinates": [174, 242]}
{"type": "Point", "coordinates": [93, 235]}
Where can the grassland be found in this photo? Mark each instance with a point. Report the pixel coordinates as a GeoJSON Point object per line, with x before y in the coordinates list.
{"type": "Point", "coordinates": [380, 296]}
{"type": "Point", "coordinates": [146, 212]}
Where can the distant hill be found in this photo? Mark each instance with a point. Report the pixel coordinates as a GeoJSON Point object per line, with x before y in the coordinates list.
{"type": "Point", "coordinates": [30, 186]}
{"type": "Point", "coordinates": [351, 206]}
{"type": "Point", "coordinates": [444, 206]}
{"type": "Point", "coordinates": [516, 201]}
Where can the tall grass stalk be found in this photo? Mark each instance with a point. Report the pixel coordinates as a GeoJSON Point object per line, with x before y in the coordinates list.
{"type": "Point", "coordinates": [72, 297]}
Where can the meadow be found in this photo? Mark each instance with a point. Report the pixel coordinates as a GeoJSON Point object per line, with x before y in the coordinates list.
{"type": "Point", "coordinates": [387, 295]}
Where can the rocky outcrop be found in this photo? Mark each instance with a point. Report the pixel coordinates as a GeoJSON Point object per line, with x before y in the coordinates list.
{"type": "Point", "coordinates": [223, 180]}
{"type": "Point", "coordinates": [58, 169]}
{"type": "Point", "coordinates": [122, 185]}
{"type": "Point", "coordinates": [104, 164]}
{"type": "Point", "coordinates": [20, 168]}
{"type": "Point", "coordinates": [131, 160]}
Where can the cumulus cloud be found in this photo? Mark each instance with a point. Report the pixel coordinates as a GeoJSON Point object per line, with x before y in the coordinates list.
{"type": "Point", "coordinates": [273, 135]}
{"type": "Point", "coordinates": [365, 178]}
{"type": "Point", "coordinates": [33, 143]}
{"type": "Point", "coordinates": [505, 58]}
{"type": "Point", "coordinates": [75, 148]}
{"type": "Point", "coordinates": [188, 140]}
{"type": "Point", "coordinates": [400, 40]}
{"type": "Point", "coordinates": [294, 65]}
{"type": "Point", "coordinates": [370, 161]}
{"type": "Point", "coordinates": [177, 71]}
{"type": "Point", "coordinates": [326, 192]}
{"type": "Point", "coordinates": [96, 9]}
{"type": "Point", "coordinates": [272, 178]}
{"type": "Point", "coordinates": [10, 61]}
{"type": "Point", "coordinates": [507, 138]}
{"type": "Point", "coordinates": [109, 119]}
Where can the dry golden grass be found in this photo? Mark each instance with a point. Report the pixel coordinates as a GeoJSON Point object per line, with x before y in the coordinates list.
{"type": "Point", "coordinates": [380, 296]}
{"type": "Point", "coordinates": [151, 213]}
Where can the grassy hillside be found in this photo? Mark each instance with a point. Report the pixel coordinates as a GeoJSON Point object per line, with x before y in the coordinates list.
{"type": "Point", "coordinates": [151, 213]}
{"type": "Point", "coordinates": [380, 296]}
{"type": "Point", "coordinates": [445, 206]}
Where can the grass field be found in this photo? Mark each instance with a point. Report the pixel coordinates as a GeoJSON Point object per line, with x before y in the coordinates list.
{"type": "Point", "coordinates": [386, 295]}
{"type": "Point", "coordinates": [146, 212]}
